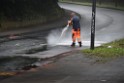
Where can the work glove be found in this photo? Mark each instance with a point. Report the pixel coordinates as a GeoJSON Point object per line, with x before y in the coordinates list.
{"type": "Point", "coordinates": [69, 22]}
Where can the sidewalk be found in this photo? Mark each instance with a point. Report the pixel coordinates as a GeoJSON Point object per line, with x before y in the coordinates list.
{"type": "Point", "coordinates": [73, 67]}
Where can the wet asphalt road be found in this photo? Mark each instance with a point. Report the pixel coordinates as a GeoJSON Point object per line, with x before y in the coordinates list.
{"type": "Point", "coordinates": [22, 42]}
{"type": "Point", "coordinates": [109, 23]}
{"type": "Point", "coordinates": [76, 68]}
{"type": "Point", "coordinates": [109, 27]}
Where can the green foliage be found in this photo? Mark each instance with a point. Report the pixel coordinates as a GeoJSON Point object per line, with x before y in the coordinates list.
{"type": "Point", "coordinates": [20, 9]}
{"type": "Point", "coordinates": [110, 50]}
{"type": "Point", "coordinates": [106, 52]}
{"type": "Point", "coordinates": [21, 13]}
{"type": "Point", "coordinates": [116, 44]}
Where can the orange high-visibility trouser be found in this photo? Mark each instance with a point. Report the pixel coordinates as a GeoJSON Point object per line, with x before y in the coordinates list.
{"type": "Point", "coordinates": [76, 35]}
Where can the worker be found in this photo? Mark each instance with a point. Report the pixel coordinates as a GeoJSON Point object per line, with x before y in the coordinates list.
{"type": "Point", "coordinates": [76, 34]}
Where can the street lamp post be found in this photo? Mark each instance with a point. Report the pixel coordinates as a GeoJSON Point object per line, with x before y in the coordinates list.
{"type": "Point", "coordinates": [93, 24]}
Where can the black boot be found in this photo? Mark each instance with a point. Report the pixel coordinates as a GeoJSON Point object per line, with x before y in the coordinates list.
{"type": "Point", "coordinates": [73, 44]}
{"type": "Point", "coordinates": [80, 44]}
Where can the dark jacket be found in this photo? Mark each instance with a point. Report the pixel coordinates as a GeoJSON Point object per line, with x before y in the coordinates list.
{"type": "Point", "coordinates": [76, 22]}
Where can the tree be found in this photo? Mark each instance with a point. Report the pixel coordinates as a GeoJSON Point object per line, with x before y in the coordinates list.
{"type": "Point", "coordinates": [19, 9]}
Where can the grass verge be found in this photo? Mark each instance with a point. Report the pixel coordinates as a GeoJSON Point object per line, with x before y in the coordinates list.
{"type": "Point", "coordinates": [110, 50]}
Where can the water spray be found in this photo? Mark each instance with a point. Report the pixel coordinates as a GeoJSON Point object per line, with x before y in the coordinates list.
{"type": "Point", "coordinates": [55, 36]}
{"type": "Point", "coordinates": [63, 31]}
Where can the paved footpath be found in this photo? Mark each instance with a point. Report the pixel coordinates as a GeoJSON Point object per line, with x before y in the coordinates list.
{"type": "Point", "coordinates": [74, 67]}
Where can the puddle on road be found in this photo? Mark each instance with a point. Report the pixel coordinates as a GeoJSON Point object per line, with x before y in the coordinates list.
{"type": "Point", "coordinates": [15, 63]}
{"type": "Point", "coordinates": [28, 46]}
{"type": "Point", "coordinates": [36, 50]}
